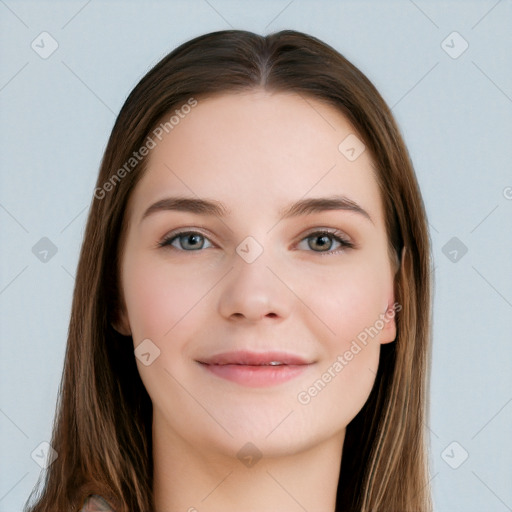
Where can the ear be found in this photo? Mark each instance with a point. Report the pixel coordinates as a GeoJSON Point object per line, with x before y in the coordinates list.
{"type": "Point", "coordinates": [388, 332]}
{"type": "Point", "coordinates": [121, 323]}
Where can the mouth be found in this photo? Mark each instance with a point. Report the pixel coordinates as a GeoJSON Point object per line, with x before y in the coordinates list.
{"type": "Point", "coordinates": [254, 369]}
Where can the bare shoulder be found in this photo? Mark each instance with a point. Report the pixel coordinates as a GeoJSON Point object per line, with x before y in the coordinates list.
{"type": "Point", "coordinates": [96, 503]}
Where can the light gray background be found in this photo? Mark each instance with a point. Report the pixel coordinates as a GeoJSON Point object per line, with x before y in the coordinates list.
{"type": "Point", "coordinates": [455, 114]}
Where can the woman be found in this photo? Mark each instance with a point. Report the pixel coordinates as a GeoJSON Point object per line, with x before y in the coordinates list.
{"type": "Point", "coordinates": [251, 316]}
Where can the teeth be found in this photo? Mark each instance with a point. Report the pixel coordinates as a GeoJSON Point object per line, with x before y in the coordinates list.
{"type": "Point", "coordinates": [275, 363]}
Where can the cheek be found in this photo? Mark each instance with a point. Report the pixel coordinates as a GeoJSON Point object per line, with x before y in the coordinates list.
{"type": "Point", "coordinates": [162, 306]}
{"type": "Point", "coordinates": [158, 298]}
{"type": "Point", "coordinates": [348, 300]}
{"type": "Point", "coordinates": [349, 304]}
{"type": "Point", "coordinates": [339, 391]}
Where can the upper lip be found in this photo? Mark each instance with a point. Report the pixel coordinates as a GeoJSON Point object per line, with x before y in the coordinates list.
{"type": "Point", "coordinates": [244, 357]}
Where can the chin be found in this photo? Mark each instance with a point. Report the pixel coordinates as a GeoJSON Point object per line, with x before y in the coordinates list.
{"type": "Point", "coordinates": [278, 434]}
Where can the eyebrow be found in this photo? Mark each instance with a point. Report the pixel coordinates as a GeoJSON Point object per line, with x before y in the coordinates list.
{"type": "Point", "coordinates": [218, 209]}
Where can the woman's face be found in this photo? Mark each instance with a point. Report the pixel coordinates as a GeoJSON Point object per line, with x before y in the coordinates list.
{"type": "Point", "coordinates": [251, 285]}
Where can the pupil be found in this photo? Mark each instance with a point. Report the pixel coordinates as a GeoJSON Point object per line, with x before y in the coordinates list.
{"type": "Point", "coordinates": [191, 238]}
{"type": "Point", "coordinates": [323, 237]}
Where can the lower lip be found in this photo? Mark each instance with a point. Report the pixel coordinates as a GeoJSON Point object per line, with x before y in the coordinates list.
{"type": "Point", "coordinates": [256, 376]}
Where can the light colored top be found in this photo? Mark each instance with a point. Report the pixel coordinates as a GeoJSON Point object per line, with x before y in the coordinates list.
{"type": "Point", "coordinates": [96, 503]}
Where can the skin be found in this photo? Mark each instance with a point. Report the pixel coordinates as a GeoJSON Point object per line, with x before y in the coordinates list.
{"type": "Point", "coordinates": [256, 152]}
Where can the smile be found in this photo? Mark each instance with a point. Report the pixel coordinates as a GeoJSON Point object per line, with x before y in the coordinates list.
{"type": "Point", "coordinates": [256, 369]}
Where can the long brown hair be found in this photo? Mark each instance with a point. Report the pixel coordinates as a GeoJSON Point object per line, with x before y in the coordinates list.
{"type": "Point", "coordinates": [102, 428]}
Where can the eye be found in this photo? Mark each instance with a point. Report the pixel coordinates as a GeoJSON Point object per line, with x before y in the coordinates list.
{"type": "Point", "coordinates": [324, 240]}
{"type": "Point", "coordinates": [194, 241]}
{"type": "Point", "coordinates": [188, 240]}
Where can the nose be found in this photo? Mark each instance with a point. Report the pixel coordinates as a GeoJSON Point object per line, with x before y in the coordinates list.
{"type": "Point", "coordinates": [254, 291]}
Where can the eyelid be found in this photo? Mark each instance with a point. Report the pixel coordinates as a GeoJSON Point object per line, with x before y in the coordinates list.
{"type": "Point", "coordinates": [182, 231]}
{"type": "Point", "coordinates": [329, 231]}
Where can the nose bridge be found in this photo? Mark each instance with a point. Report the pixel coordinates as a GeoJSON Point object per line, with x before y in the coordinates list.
{"type": "Point", "coordinates": [252, 289]}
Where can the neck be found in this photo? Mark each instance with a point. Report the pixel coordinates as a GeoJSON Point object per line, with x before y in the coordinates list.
{"type": "Point", "coordinates": [208, 479]}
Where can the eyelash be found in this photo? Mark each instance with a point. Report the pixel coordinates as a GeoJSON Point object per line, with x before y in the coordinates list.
{"type": "Point", "coordinates": [337, 236]}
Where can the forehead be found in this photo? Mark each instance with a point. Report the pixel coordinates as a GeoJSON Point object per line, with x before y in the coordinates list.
{"type": "Point", "coordinates": [259, 150]}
